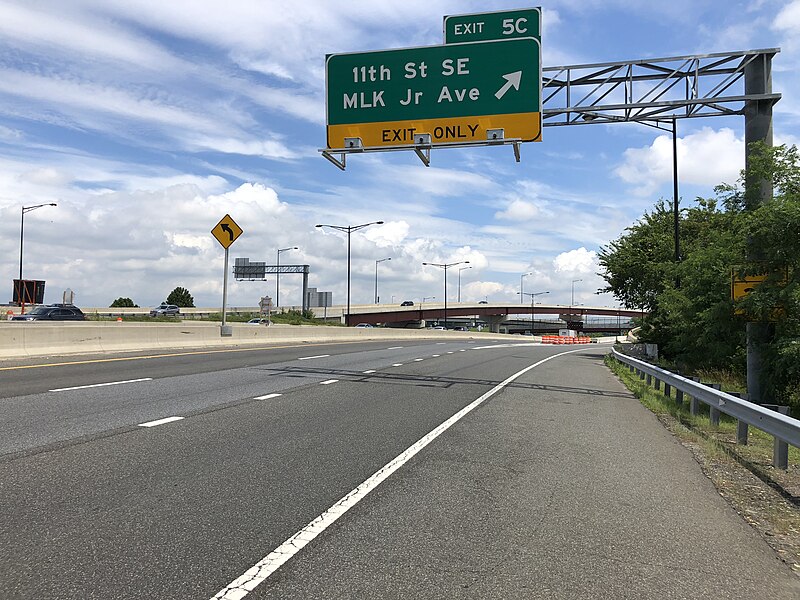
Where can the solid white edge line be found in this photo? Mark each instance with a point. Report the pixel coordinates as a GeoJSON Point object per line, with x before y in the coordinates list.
{"type": "Point", "coordinates": [266, 397]}
{"type": "Point", "coordinates": [328, 381]}
{"type": "Point", "coordinates": [255, 575]}
{"type": "Point", "coordinates": [94, 385]}
{"type": "Point", "coordinates": [310, 357]}
{"type": "Point", "coordinates": [160, 421]}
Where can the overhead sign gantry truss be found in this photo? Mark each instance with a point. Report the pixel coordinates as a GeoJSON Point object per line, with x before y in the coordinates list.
{"type": "Point", "coordinates": [649, 91]}
{"type": "Point", "coordinates": [652, 90]}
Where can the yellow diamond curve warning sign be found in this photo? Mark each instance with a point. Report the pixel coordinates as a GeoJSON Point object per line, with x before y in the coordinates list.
{"type": "Point", "coordinates": [226, 231]}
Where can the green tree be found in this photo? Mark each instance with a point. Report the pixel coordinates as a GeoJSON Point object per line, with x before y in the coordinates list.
{"type": "Point", "coordinates": [690, 312]}
{"type": "Point", "coordinates": [180, 297]}
{"type": "Point", "coordinates": [123, 303]}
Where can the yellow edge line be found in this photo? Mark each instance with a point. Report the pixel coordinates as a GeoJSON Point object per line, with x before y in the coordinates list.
{"type": "Point", "coordinates": [193, 353]}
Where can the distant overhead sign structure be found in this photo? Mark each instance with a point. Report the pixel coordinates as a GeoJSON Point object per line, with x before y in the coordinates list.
{"type": "Point", "coordinates": [226, 231]}
{"type": "Point", "coordinates": [458, 94]}
{"type": "Point", "coordinates": [503, 25]}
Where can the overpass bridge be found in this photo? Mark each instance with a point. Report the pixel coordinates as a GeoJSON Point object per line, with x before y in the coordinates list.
{"type": "Point", "coordinates": [494, 313]}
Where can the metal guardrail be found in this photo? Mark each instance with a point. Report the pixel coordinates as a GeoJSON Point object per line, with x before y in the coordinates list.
{"type": "Point", "coordinates": [784, 428]}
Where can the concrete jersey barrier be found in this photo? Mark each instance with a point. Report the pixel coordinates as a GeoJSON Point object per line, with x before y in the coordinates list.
{"type": "Point", "coordinates": [19, 339]}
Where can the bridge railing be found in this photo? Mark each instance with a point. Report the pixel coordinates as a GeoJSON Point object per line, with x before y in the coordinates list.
{"type": "Point", "coordinates": [785, 429]}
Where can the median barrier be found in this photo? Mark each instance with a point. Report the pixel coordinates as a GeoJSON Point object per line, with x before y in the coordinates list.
{"type": "Point", "coordinates": [27, 339]}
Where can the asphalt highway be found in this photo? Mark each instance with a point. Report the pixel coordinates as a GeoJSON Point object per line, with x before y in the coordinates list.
{"type": "Point", "coordinates": [458, 469]}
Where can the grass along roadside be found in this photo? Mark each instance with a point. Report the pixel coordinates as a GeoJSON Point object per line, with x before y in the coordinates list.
{"type": "Point", "coordinates": [767, 498]}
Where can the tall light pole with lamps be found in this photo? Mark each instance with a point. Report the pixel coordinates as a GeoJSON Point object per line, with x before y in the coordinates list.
{"type": "Point", "coordinates": [444, 267]}
{"type": "Point", "coordinates": [348, 229]}
{"type": "Point", "coordinates": [25, 209]}
{"type": "Point", "coordinates": [533, 303]}
{"type": "Point", "coordinates": [459, 281]}
{"type": "Point", "coordinates": [521, 287]}
{"type": "Point", "coordinates": [572, 296]}
{"type": "Point", "coordinates": [278, 276]}
{"type": "Point", "coordinates": [658, 123]}
{"type": "Point", "coordinates": [377, 298]}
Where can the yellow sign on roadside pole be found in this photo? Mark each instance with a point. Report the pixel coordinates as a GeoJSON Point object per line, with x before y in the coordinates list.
{"type": "Point", "coordinates": [743, 284]}
{"type": "Point", "coordinates": [226, 231]}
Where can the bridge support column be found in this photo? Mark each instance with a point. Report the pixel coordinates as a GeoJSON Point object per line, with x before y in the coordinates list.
{"type": "Point", "coordinates": [494, 322]}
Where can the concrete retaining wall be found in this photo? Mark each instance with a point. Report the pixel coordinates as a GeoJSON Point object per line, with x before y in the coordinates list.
{"type": "Point", "coordinates": [25, 339]}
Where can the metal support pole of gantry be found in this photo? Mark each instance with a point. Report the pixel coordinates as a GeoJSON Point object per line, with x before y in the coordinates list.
{"type": "Point", "coordinates": [757, 128]}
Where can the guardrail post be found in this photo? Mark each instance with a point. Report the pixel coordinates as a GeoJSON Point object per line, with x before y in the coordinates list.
{"type": "Point", "coordinates": [657, 383]}
{"type": "Point", "coordinates": [713, 415]}
{"type": "Point", "coordinates": [641, 374]}
{"type": "Point", "coordinates": [679, 397]}
{"type": "Point", "coordinates": [780, 454]}
{"type": "Point", "coordinates": [713, 412]}
{"type": "Point", "coordinates": [780, 449]}
{"type": "Point", "coordinates": [648, 379]}
{"type": "Point", "coordinates": [742, 430]}
{"type": "Point", "coordinates": [667, 390]}
{"type": "Point", "coordinates": [694, 403]}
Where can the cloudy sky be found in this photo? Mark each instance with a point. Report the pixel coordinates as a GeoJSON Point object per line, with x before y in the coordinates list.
{"type": "Point", "coordinates": [147, 121]}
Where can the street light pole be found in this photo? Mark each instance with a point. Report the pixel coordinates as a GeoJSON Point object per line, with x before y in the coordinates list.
{"type": "Point", "coordinates": [278, 276]}
{"type": "Point", "coordinates": [521, 288]}
{"type": "Point", "coordinates": [25, 209]}
{"type": "Point", "coordinates": [572, 297]}
{"type": "Point", "coordinates": [459, 281]}
{"type": "Point", "coordinates": [675, 209]}
{"type": "Point", "coordinates": [658, 123]}
{"type": "Point", "coordinates": [348, 229]}
{"type": "Point", "coordinates": [377, 298]}
{"type": "Point", "coordinates": [533, 304]}
{"type": "Point", "coordinates": [446, 266]}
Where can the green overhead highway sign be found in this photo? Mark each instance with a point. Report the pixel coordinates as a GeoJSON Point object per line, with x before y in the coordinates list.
{"type": "Point", "coordinates": [508, 24]}
{"type": "Point", "coordinates": [455, 93]}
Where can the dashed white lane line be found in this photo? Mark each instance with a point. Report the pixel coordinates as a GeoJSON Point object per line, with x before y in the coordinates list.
{"type": "Point", "coordinates": [436, 355]}
{"type": "Point", "coordinates": [312, 357]}
{"type": "Point", "coordinates": [266, 397]}
{"type": "Point", "coordinates": [160, 421]}
{"type": "Point", "coordinates": [328, 381]}
{"type": "Point", "coordinates": [243, 585]}
{"type": "Point", "coordinates": [418, 359]}
{"type": "Point", "coordinates": [94, 385]}
{"type": "Point", "coordinates": [394, 348]}
{"type": "Point", "coordinates": [450, 352]}
{"type": "Point", "coordinates": [367, 372]}
{"type": "Point", "coordinates": [440, 343]}
{"type": "Point", "coordinates": [397, 365]}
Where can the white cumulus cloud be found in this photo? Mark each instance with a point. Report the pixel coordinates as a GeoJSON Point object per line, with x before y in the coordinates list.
{"type": "Point", "coordinates": [518, 210]}
{"type": "Point", "coordinates": [579, 261]}
{"type": "Point", "coordinates": [707, 157]}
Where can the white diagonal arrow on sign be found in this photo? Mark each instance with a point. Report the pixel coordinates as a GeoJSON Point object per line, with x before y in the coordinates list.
{"type": "Point", "coordinates": [512, 79]}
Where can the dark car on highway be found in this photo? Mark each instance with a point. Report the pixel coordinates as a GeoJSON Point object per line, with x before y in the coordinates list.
{"type": "Point", "coordinates": [53, 312]}
{"type": "Point", "coordinates": [406, 303]}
